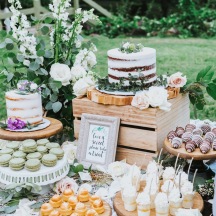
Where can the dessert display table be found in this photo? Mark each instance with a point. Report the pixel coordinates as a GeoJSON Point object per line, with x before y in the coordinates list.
{"type": "Point", "coordinates": [120, 210]}
{"type": "Point", "coordinates": [45, 176]}
{"type": "Point", "coordinates": [54, 128]}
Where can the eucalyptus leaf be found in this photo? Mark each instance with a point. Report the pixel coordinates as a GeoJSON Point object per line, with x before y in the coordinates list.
{"type": "Point", "coordinates": [2, 45]}
{"type": "Point", "coordinates": [48, 20]}
{"type": "Point", "coordinates": [10, 77]}
{"type": "Point", "coordinates": [9, 46]}
{"type": "Point", "coordinates": [54, 98]}
{"type": "Point", "coordinates": [34, 66]}
{"type": "Point", "coordinates": [7, 22]}
{"type": "Point", "coordinates": [10, 196]}
{"type": "Point", "coordinates": [40, 53]}
{"type": "Point", "coordinates": [48, 54]}
{"type": "Point", "coordinates": [37, 205]}
{"type": "Point", "coordinates": [56, 106]}
{"type": "Point", "coordinates": [43, 71]}
{"type": "Point", "coordinates": [46, 92]}
{"type": "Point", "coordinates": [8, 41]}
{"type": "Point", "coordinates": [3, 33]}
{"type": "Point", "coordinates": [49, 105]}
{"type": "Point", "coordinates": [10, 209]}
{"type": "Point", "coordinates": [20, 58]}
{"type": "Point", "coordinates": [45, 30]}
{"type": "Point", "coordinates": [78, 168]}
{"type": "Point", "coordinates": [55, 85]}
{"type": "Point", "coordinates": [11, 55]}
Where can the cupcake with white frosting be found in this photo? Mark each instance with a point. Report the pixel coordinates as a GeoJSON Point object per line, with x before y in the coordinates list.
{"type": "Point", "coordinates": [188, 195]}
{"type": "Point", "coordinates": [143, 204]}
{"type": "Point", "coordinates": [129, 198]}
{"type": "Point", "coordinates": [161, 205]}
{"type": "Point", "coordinates": [175, 201]}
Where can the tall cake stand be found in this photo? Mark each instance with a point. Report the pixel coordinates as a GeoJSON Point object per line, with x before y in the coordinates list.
{"type": "Point", "coordinates": [198, 157]}
{"type": "Point", "coordinates": [46, 175]}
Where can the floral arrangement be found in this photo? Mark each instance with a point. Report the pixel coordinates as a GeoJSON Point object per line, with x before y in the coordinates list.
{"type": "Point", "coordinates": [26, 87]}
{"type": "Point", "coordinates": [128, 47]}
{"type": "Point", "coordinates": [206, 190]}
{"type": "Point", "coordinates": [56, 57]}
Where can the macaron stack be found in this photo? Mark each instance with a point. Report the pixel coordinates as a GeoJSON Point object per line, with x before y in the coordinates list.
{"type": "Point", "coordinates": [49, 160]}
{"type": "Point", "coordinates": [29, 154]}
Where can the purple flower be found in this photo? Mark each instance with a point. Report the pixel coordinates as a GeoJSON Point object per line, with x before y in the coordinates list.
{"type": "Point", "coordinates": [15, 124]}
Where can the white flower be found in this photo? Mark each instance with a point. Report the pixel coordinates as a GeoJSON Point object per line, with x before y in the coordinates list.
{"type": "Point", "coordinates": [65, 183]}
{"type": "Point", "coordinates": [26, 62]}
{"type": "Point", "coordinates": [140, 100]}
{"type": "Point", "coordinates": [77, 72]}
{"type": "Point", "coordinates": [89, 80]}
{"type": "Point", "coordinates": [158, 98]}
{"type": "Point", "coordinates": [24, 208]}
{"type": "Point", "coordinates": [126, 45]}
{"type": "Point", "coordinates": [33, 86]}
{"type": "Point", "coordinates": [78, 11]}
{"type": "Point", "coordinates": [61, 72]}
{"type": "Point", "coordinates": [117, 169]}
{"type": "Point", "coordinates": [80, 87]}
{"type": "Point", "coordinates": [176, 80]}
{"type": "Point", "coordinates": [70, 150]}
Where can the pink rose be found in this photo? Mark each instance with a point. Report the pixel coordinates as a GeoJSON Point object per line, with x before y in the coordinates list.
{"type": "Point", "coordinates": [140, 100]}
{"type": "Point", "coordinates": [176, 80]}
{"type": "Point", "coordinates": [66, 183]}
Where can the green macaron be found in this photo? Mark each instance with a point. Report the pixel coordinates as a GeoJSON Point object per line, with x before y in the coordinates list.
{"type": "Point", "coordinates": [42, 142]}
{"type": "Point", "coordinates": [49, 160]}
{"type": "Point", "coordinates": [32, 165]}
{"type": "Point", "coordinates": [17, 164]}
{"type": "Point", "coordinates": [13, 145]}
{"type": "Point", "coordinates": [6, 151]}
{"type": "Point", "coordinates": [4, 160]}
{"type": "Point", "coordinates": [42, 149]}
{"type": "Point", "coordinates": [35, 155]}
{"type": "Point", "coordinates": [29, 141]}
{"type": "Point", "coordinates": [58, 152]}
{"type": "Point", "coordinates": [19, 154]}
{"type": "Point", "coordinates": [29, 147]}
{"type": "Point", "coordinates": [52, 145]}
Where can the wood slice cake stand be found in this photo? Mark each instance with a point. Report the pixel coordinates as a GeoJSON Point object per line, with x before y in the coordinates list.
{"type": "Point", "coordinates": [120, 210]}
{"type": "Point", "coordinates": [54, 128]}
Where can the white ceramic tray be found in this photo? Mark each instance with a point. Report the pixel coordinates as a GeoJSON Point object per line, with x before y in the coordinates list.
{"type": "Point", "coordinates": [45, 176]}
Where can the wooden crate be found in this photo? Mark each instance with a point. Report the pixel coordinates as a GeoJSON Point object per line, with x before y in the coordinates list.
{"type": "Point", "coordinates": [142, 132]}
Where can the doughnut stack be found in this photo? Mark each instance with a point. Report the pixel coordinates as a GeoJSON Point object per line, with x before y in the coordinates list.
{"type": "Point", "coordinates": [202, 137]}
{"type": "Point", "coordinates": [68, 204]}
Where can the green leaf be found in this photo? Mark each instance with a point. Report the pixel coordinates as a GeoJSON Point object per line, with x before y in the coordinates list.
{"type": "Point", "coordinates": [43, 71]}
{"type": "Point", "coordinates": [39, 60]}
{"type": "Point", "coordinates": [20, 58]}
{"type": "Point", "coordinates": [10, 196]}
{"type": "Point", "coordinates": [40, 53]}
{"type": "Point", "coordinates": [48, 105]}
{"type": "Point", "coordinates": [8, 41]}
{"type": "Point", "coordinates": [203, 73]}
{"type": "Point", "coordinates": [208, 76]}
{"type": "Point", "coordinates": [10, 209]}
{"type": "Point", "coordinates": [48, 20]}
{"type": "Point", "coordinates": [9, 46]}
{"type": "Point", "coordinates": [214, 80]}
{"type": "Point", "coordinates": [37, 205]}
{"type": "Point", "coordinates": [48, 54]}
{"type": "Point", "coordinates": [78, 168]}
{"type": "Point", "coordinates": [54, 98]}
{"type": "Point", "coordinates": [3, 33]}
{"type": "Point", "coordinates": [55, 85]}
{"type": "Point", "coordinates": [211, 90]}
{"type": "Point", "coordinates": [56, 106]}
{"type": "Point", "coordinates": [2, 45]}
{"type": "Point", "coordinates": [11, 55]}
{"type": "Point", "coordinates": [45, 30]}
{"type": "Point", "coordinates": [31, 75]}
{"type": "Point", "coordinates": [10, 77]}
{"type": "Point", "coordinates": [34, 66]}
{"type": "Point", "coordinates": [46, 92]}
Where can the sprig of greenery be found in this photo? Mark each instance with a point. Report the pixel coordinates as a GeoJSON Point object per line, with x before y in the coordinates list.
{"type": "Point", "coordinates": [127, 47]}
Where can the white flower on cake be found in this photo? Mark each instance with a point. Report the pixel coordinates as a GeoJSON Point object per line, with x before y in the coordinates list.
{"type": "Point", "coordinates": [140, 100]}
{"type": "Point", "coordinates": [64, 184]}
{"type": "Point", "coordinates": [176, 80]}
{"type": "Point", "coordinates": [33, 86]}
{"type": "Point", "coordinates": [158, 98]}
{"type": "Point", "coordinates": [61, 72]}
{"type": "Point", "coordinates": [77, 72]}
{"type": "Point", "coordinates": [70, 150]}
{"type": "Point", "coordinates": [117, 168]}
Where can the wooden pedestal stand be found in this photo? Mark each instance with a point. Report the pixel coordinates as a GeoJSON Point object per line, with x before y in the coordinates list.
{"type": "Point", "coordinates": [198, 157]}
{"type": "Point", "coordinates": [54, 128]}
{"type": "Point", "coordinates": [120, 210]}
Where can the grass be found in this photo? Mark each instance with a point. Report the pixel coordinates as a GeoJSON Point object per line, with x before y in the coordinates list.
{"type": "Point", "coordinates": [186, 55]}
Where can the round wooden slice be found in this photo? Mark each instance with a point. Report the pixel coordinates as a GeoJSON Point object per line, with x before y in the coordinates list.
{"type": "Point", "coordinates": [54, 128]}
{"type": "Point", "coordinates": [196, 155]}
{"type": "Point", "coordinates": [120, 210]}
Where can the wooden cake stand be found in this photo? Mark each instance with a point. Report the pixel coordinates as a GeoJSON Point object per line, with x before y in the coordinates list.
{"type": "Point", "coordinates": [54, 128]}
{"type": "Point", "coordinates": [120, 210]}
{"type": "Point", "coordinates": [197, 156]}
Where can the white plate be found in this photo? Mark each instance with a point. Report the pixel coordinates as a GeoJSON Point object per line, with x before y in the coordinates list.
{"type": "Point", "coordinates": [121, 93]}
{"type": "Point", "coordinates": [41, 126]}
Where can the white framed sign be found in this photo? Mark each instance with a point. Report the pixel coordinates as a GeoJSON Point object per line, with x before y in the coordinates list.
{"type": "Point", "coordinates": [97, 140]}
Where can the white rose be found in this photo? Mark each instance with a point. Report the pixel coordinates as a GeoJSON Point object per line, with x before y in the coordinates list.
{"type": "Point", "coordinates": [33, 86]}
{"type": "Point", "coordinates": [91, 60]}
{"type": "Point", "coordinates": [117, 169]}
{"type": "Point", "coordinates": [61, 72]}
{"type": "Point", "coordinates": [89, 80]}
{"type": "Point", "coordinates": [77, 72]}
{"type": "Point", "coordinates": [158, 98]}
{"type": "Point", "coordinates": [176, 80]}
{"type": "Point", "coordinates": [80, 87]}
{"type": "Point", "coordinates": [140, 100]}
{"type": "Point", "coordinates": [70, 150]}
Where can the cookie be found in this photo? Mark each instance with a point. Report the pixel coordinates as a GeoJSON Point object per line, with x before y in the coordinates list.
{"type": "Point", "coordinates": [58, 152]}
{"type": "Point", "coordinates": [49, 160]}
{"type": "Point", "coordinates": [32, 165]}
{"type": "Point", "coordinates": [29, 147]}
{"type": "Point", "coordinates": [6, 151]}
{"type": "Point", "coordinates": [4, 160]}
{"type": "Point", "coordinates": [13, 145]}
{"type": "Point", "coordinates": [42, 149]}
{"type": "Point", "coordinates": [52, 145]}
{"type": "Point", "coordinates": [42, 142]}
{"type": "Point", "coordinates": [19, 154]}
{"type": "Point", "coordinates": [17, 163]}
{"type": "Point", "coordinates": [35, 155]}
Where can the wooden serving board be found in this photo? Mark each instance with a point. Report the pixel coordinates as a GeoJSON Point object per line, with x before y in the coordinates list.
{"type": "Point", "coordinates": [109, 99]}
{"type": "Point", "coordinates": [196, 155]}
{"type": "Point", "coordinates": [120, 210]}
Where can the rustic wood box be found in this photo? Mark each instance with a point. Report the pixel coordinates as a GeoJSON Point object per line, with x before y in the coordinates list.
{"type": "Point", "coordinates": [142, 132]}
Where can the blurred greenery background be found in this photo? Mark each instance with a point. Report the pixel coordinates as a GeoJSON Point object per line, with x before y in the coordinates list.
{"type": "Point", "coordinates": [182, 31]}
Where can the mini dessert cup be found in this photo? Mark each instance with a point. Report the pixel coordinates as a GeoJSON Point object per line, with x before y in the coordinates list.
{"type": "Point", "coordinates": [162, 210]}
{"type": "Point", "coordinates": [188, 200]}
{"type": "Point", "coordinates": [174, 206]}
{"type": "Point", "coordinates": [143, 209]}
{"type": "Point", "coordinates": [129, 198]}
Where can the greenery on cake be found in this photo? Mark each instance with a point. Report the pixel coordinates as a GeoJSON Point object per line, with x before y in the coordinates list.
{"type": "Point", "coordinates": [127, 47]}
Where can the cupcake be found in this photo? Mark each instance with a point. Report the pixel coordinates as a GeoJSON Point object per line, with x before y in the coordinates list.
{"type": "Point", "coordinates": [65, 209]}
{"type": "Point", "coordinates": [143, 204]}
{"type": "Point", "coordinates": [98, 206]}
{"type": "Point", "coordinates": [73, 201]}
{"type": "Point", "coordinates": [56, 201]}
{"type": "Point", "coordinates": [129, 198]}
{"type": "Point", "coordinates": [80, 209]}
{"type": "Point", "coordinates": [83, 195]}
{"type": "Point", "coordinates": [175, 201]}
{"type": "Point", "coordinates": [66, 194]}
{"type": "Point", "coordinates": [46, 209]}
{"type": "Point", "coordinates": [188, 195]}
{"type": "Point", "coordinates": [161, 205]}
